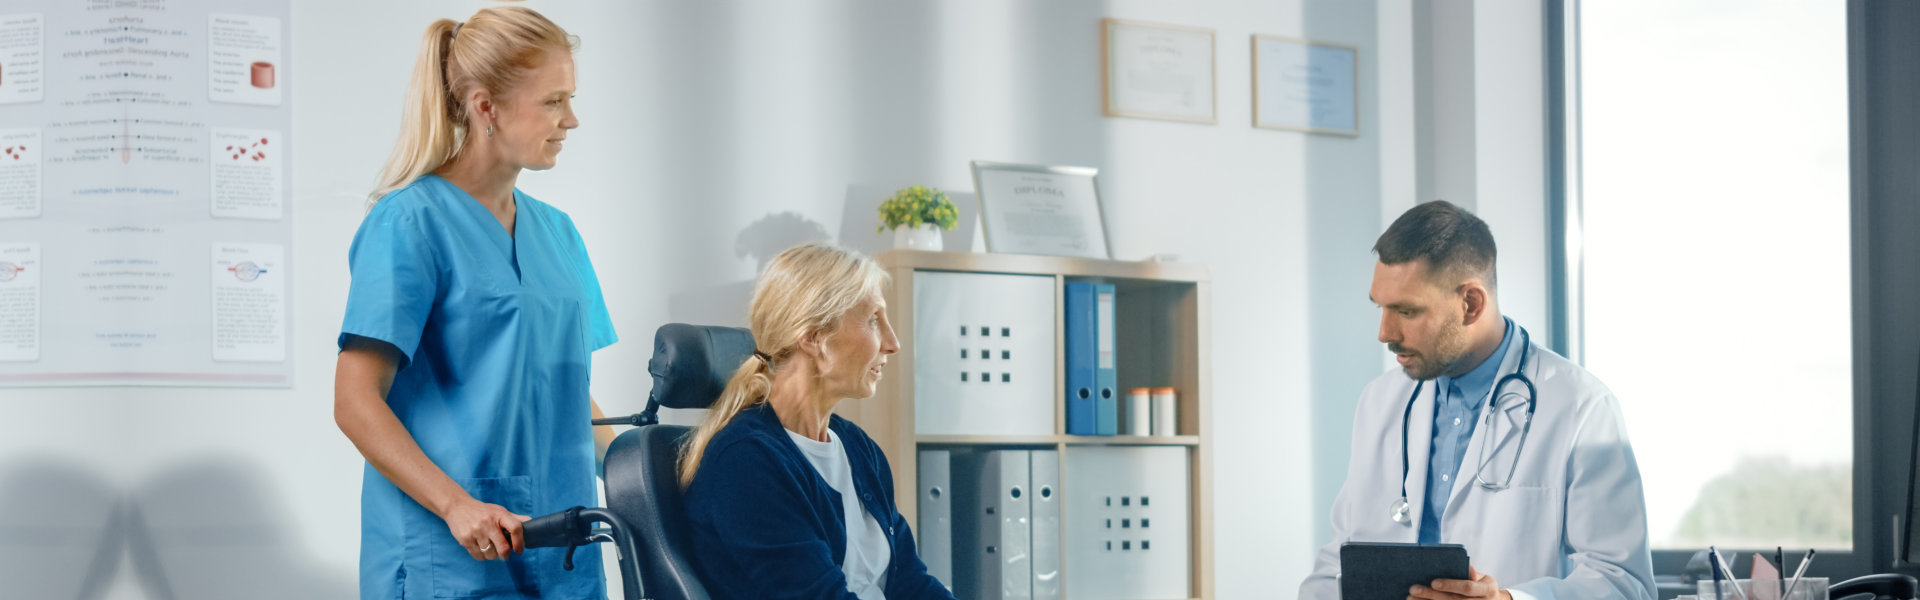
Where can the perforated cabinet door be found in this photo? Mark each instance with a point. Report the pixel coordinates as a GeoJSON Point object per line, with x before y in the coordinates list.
{"type": "Point", "coordinates": [983, 361]}
{"type": "Point", "coordinates": [1126, 519]}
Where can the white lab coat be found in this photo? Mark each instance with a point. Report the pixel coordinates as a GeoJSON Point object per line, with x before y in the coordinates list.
{"type": "Point", "coordinates": [1574, 522]}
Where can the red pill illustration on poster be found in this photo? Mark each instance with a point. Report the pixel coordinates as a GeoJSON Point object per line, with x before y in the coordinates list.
{"type": "Point", "coordinates": [246, 178]}
{"type": "Point", "coordinates": [263, 75]}
{"type": "Point", "coordinates": [20, 151]}
{"type": "Point", "coordinates": [254, 151]}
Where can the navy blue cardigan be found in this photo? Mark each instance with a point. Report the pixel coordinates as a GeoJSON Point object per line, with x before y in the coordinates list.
{"type": "Point", "coordinates": [764, 524]}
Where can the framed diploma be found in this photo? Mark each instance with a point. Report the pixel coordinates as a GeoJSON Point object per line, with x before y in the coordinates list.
{"type": "Point", "coordinates": [1156, 71]}
{"type": "Point", "coordinates": [1305, 86]}
{"type": "Point", "coordinates": [1033, 209]}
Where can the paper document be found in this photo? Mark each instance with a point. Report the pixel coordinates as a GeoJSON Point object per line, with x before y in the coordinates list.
{"type": "Point", "coordinates": [19, 301]}
{"type": "Point", "coordinates": [249, 302]}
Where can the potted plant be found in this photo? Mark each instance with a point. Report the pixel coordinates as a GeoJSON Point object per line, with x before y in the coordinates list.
{"type": "Point", "coordinates": [912, 214]}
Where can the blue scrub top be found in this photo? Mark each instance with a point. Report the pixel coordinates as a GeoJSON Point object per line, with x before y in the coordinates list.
{"type": "Point", "coordinates": [497, 333]}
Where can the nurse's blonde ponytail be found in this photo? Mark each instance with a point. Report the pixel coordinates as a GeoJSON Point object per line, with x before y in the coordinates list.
{"type": "Point", "coordinates": [493, 51]}
{"type": "Point", "coordinates": [803, 293]}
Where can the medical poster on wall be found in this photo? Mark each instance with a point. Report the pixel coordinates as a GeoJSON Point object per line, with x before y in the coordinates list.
{"type": "Point", "coordinates": [144, 224]}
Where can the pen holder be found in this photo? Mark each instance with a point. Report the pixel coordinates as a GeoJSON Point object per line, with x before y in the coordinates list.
{"type": "Point", "coordinates": [1810, 588]}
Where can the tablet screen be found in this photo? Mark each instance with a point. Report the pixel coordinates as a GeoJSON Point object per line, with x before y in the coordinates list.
{"type": "Point", "coordinates": [1381, 571]}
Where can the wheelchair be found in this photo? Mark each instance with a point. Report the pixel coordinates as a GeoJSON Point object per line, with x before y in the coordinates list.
{"type": "Point", "coordinates": [644, 519]}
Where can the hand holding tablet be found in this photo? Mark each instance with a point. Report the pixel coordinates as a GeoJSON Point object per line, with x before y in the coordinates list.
{"type": "Point", "coordinates": [1382, 571]}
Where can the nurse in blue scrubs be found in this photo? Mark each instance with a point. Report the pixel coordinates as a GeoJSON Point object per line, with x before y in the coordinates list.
{"type": "Point", "coordinates": [470, 325]}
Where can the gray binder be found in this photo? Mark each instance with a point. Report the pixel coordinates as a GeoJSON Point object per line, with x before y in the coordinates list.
{"type": "Point", "coordinates": [936, 515]}
{"type": "Point", "coordinates": [1006, 550]}
{"type": "Point", "coordinates": [1046, 524]}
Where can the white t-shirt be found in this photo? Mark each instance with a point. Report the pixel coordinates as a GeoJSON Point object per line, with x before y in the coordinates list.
{"type": "Point", "coordinates": [868, 552]}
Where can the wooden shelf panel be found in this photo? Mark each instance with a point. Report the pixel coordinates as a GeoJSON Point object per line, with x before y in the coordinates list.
{"type": "Point", "coordinates": [989, 440]}
{"type": "Point", "coordinates": [1131, 440]}
{"type": "Point", "coordinates": [1070, 440]}
{"type": "Point", "coordinates": [1033, 264]}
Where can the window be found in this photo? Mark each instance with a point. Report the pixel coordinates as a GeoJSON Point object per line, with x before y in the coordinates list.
{"type": "Point", "coordinates": [1713, 193]}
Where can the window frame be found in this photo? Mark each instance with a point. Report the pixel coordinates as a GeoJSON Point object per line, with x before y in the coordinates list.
{"type": "Point", "coordinates": [1880, 487]}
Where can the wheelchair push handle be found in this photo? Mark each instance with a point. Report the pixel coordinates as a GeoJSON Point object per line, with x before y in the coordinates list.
{"type": "Point", "coordinates": [634, 420]}
{"type": "Point", "coordinates": [573, 528]}
{"type": "Point", "coordinates": [563, 529]}
{"type": "Point", "coordinates": [650, 416]}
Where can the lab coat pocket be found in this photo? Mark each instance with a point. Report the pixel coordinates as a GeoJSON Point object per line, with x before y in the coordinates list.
{"type": "Point", "coordinates": [1521, 525]}
{"type": "Point", "coordinates": [456, 574]}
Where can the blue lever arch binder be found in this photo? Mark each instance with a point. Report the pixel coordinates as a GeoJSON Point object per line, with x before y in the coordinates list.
{"type": "Point", "coordinates": [1081, 358]}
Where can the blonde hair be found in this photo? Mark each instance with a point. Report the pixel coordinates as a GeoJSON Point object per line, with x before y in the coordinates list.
{"type": "Point", "coordinates": [494, 50]}
{"type": "Point", "coordinates": [803, 292]}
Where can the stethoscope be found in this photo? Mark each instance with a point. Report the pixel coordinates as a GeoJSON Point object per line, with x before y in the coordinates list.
{"type": "Point", "coordinates": [1401, 511]}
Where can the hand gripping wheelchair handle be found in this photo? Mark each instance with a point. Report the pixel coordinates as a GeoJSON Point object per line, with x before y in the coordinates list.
{"type": "Point", "coordinates": [572, 528]}
{"type": "Point", "coordinates": [563, 529]}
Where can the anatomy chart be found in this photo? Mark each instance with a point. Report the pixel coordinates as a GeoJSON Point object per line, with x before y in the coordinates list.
{"type": "Point", "coordinates": [144, 221]}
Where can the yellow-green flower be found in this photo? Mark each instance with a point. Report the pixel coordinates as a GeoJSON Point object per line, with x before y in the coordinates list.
{"type": "Point", "coordinates": [915, 205]}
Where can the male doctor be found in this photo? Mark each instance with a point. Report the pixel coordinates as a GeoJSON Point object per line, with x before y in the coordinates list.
{"type": "Point", "coordinates": [1442, 453]}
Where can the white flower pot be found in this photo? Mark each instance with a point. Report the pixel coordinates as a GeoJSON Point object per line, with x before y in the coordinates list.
{"type": "Point", "coordinates": [924, 237]}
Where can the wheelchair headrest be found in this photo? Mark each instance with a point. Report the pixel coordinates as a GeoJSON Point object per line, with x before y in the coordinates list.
{"type": "Point", "coordinates": [692, 363]}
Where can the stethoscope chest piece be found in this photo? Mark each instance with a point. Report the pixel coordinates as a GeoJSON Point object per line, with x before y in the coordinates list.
{"type": "Point", "coordinates": [1402, 512]}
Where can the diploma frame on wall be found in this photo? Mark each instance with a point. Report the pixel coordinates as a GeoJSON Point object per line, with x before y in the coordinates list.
{"type": "Point", "coordinates": [1071, 196]}
{"type": "Point", "coordinates": [1341, 116]}
{"type": "Point", "coordinates": [1119, 54]}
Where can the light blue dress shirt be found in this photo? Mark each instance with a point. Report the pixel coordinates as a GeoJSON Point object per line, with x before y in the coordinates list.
{"type": "Point", "coordinates": [496, 334]}
{"type": "Point", "coordinates": [1454, 416]}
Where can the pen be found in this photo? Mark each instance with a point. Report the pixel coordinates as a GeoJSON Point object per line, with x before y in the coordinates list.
{"type": "Point", "coordinates": [1727, 569]}
{"type": "Point", "coordinates": [1713, 556]}
{"type": "Point", "coordinates": [1780, 561]}
{"type": "Point", "coordinates": [1802, 570]}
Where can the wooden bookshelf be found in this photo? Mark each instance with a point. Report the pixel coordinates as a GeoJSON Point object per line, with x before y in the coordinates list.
{"type": "Point", "coordinates": [1165, 340]}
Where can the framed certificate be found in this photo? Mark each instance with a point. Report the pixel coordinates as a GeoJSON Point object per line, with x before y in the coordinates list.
{"type": "Point", "coordinates": [1033, 209]}
{"type": "Point", "coordinates": [1305, 86]}
{"type": "Point", "coordinates": [1156, 71]}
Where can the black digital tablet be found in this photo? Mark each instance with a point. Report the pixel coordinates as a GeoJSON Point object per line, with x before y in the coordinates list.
{"type": "Point", "coordinates": [1380, 571]}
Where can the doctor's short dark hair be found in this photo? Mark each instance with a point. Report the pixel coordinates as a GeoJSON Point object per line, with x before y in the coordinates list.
{"type": "Point", "coordinates": [1455, 243]}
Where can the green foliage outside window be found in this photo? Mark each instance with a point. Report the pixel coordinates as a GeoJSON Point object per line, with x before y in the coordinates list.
{"type": "Point", "coordinates": [1767, 502]}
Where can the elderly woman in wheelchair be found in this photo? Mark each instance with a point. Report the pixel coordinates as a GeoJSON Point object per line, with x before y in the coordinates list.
{"type": "Point", "coordinates": [783, 499]}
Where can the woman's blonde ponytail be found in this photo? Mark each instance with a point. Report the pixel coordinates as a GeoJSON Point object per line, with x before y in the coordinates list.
{"type": "Point", "coordinates": [748, 385]}
{"type": "Point", "coordinates": [429, 129]}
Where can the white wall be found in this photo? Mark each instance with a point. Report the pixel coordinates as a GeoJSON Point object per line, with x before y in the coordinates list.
{"type": "Point", "coordinates": [715, 134]}
{"type": "Point", "coordinates": [1482, 136]}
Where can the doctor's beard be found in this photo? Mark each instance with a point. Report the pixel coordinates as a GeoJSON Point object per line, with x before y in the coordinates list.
{"type": "Point", "coordinates": [1449, 351]}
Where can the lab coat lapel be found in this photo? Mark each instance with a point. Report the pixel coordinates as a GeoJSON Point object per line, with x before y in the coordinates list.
{"type": "Point", "coordinates": [1419, 447]}
{"type": "Point", "coordinates": [1507, 430]}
